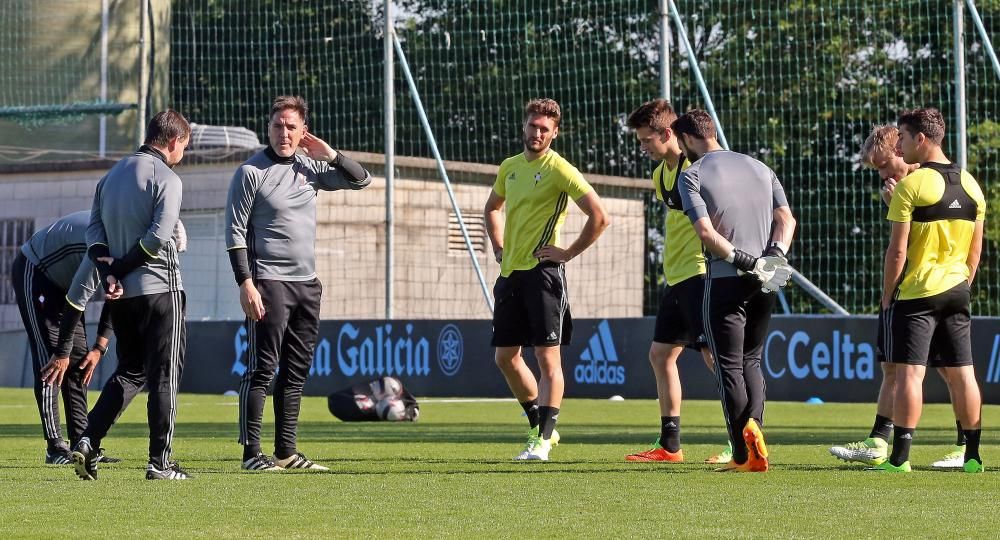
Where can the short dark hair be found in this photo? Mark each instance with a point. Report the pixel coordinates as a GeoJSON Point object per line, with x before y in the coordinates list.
{"type": "Point", "coordinates": [928, 121]}
{"type": "Point", "coordinates": [544, 107]}
{"type": "Point", "coordinates": [296, 103]}
{"type": "Point", "coordinates": [166, 125]}
{"type": "Point", "coordinates": [656, 114]}
{"type": "Point", "coordinates": [696, 123]}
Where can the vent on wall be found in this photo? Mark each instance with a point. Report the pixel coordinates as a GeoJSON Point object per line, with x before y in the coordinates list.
{"type": "Point", "coordinates": [475, 225]}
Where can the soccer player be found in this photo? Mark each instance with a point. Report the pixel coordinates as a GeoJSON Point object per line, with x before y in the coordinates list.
{"type": "Point", "coordinates": [740, 213]}
{"type": "Point", "coordinates": [532, 306]}
{"type": "Point", "coordinates": [678, 318]}
{"type": "Point", "coordinates": [271, 239]}
{"type": "Point", "coordinates": [937, 215]}
{"type": "Point", "coordinates": [879, 152]}
{"type": "Point", "coordinates": [132, 221]}
{"type": "Point", "coordinates": [53, 280]}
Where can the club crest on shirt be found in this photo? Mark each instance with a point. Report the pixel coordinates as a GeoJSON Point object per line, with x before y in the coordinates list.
{"type": "Point", "coordinates": [301, 181]}
{"type": "Point", "coordinates": [538, 177]}
{"type": "Point", "coordinates": [510, 177]}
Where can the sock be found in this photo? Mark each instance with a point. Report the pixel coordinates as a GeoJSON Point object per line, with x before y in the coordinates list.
{"type": "Point", "coordinates": [902, 438]}
{"type": "Point", "coordinates": [882, 428]}
{"type": "Point", "coordinates": [670, 433]}
{"type": "Point", "coordinates": [531, 411]}
{"type": "Point", "coordinates": [960, 437]}
{"type": "Point", "coordinates": [250, 451]}
{"type": "Point", "coordinates": [547, 417]}
{"type": "Point", "coordinates": [972, 444]}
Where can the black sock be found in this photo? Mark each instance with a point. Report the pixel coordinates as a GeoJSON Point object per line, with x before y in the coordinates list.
{"type": "Point", "coordinates": [531, 411]}
{"type": "Point", "coordinates": [902, 438]}
{"type": "Point", "coordinates": [960, 437]}
{"type": "Point", "coordinates": [972, 444]}
{"type": "Point", "coordinates": [547, 417]}
{"type": "Point", "coordinates": [882, 428]}
{"type": "Point", "coordinates": [670, 433]}
{"type": "Point", "coordinates": [250, 451]}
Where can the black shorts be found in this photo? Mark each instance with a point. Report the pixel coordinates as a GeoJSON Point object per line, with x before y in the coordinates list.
{"type": "Point", "coordinates": [678, 319]}
{"type": "Point", "coordinates": [883, 330]}
{"type": "Point", "coordinates": [937, 326]}
{"type": "Point", "coordinates": [532, 308]}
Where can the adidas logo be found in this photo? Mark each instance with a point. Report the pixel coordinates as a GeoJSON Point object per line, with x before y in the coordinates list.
{"type": "Point", "coordinates": [552, 336]}
{"type": "Point", "coordinates": [598, 362]}
{"type": "Point", "coordinates": [671, 425]}
{"type": "Point", "coordinates": [954, 204]}
{"type": "Point", "coordinates": [907, 436]}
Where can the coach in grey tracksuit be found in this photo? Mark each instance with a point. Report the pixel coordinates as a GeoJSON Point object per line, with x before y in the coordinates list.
{"type": "Point", "coordinates": [270, 237]}
{"type": "Point", "coordinates": [53, 281]}
{"type": "Point", "coordinates": [739, 210]}
{"type": "Point", "coordinates": [135, 210]}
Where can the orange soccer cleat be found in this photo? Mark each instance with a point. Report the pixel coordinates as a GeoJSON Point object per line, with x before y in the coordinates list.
{"type": "Point", "coordinates": [657, 453]}
{"type": "Point", "coordinates": [756, 449]}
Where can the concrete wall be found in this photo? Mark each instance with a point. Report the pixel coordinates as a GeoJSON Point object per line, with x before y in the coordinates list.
{"type": "Point", "coordinates": [431, 281]}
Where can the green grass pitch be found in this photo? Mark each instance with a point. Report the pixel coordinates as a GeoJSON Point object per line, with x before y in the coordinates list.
{"type": "Point", "coordinates": [450, 475]}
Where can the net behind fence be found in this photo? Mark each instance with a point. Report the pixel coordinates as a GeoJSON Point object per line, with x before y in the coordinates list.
{"type": "Point", "coordinates": [50, 78]}
{"type": "Point", "coordinates": [799, 85]}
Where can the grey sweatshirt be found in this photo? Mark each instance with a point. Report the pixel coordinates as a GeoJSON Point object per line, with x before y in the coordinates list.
{"type": "Point", "coordinates": [139, 201]}
{"type": "Point", "coordinates": [271, 211]}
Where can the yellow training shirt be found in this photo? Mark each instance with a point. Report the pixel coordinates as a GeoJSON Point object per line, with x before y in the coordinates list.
{"type": "Point", "coordinates": [683, 256]}
{"type": "Point", "coordinates": [942, 203]}
{"type": "Point", "coordinates": [537, 194]}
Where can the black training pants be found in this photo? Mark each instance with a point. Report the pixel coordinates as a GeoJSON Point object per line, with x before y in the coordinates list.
{"type": "Point", "coordinates": [736, 317]}
{"type": "Point", "coordinates": [41, 302]}
{"type": "Point", "coordinates": [284, 340]}
{"type": "Point", "coordinates": [151, 345]}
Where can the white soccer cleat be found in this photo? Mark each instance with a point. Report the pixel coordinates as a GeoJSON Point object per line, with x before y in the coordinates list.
{"type": "Point", "coordinates": [299, 461]}
{"type": "Point", "coordinates": [533, 440]}
{"type": "Point", "coordinates": [952, 460]}
{"type": "Point", "coordinates": [871, 451]}
{"type": "Point", "coordinates": [540, 452]}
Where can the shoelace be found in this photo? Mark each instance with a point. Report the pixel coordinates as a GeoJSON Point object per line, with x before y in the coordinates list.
{"type": "Point", "coordinates": [860, 445]}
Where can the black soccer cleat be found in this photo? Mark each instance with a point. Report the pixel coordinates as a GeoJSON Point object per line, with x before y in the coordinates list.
{"type": "Point", "coordinates": [172, 471]}
{"type": "Point", "coordinates": [85, 460]}
{"type": "Point", "coordinates": [60, 455]}
{"type": "Point", "coordinates": [104, 458]}
{"type": "Point", "coordinates": [260, 462]}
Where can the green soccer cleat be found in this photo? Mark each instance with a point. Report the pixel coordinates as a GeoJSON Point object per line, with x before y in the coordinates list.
{"type": "Point", "coordinates": [973, 466]}
{"type": "Point", "coordinates": [871, 451]}
{"type": "Point", "coordinates": [889, 467]}
{"type": "Point", "coordinates": [535, 439]}
{"type": "Point", "coordinates": [952, 460]}
{"type": "Point", "coordinates": [722, 457]}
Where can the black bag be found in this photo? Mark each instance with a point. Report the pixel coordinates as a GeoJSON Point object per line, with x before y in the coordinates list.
{"type": "Point", "coordinates": [379, 399]}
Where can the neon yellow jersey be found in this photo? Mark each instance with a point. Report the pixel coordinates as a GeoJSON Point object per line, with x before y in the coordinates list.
{"type": "Point", "coordinates": [942, 215]}
{"type": "Point", "coordinates": [683, 256]}
{"type": "Point", "coordinates": [537, 194]}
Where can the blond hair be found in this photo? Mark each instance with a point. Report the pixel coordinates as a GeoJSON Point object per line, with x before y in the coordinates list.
{"type": "Point", "coordinates": [882, 139]}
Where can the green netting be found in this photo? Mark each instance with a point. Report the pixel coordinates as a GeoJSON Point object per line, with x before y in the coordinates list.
{"type": "Point", "coordinates": [50, 76]}
{"type": "Point", "coordinates": [799, 84]}
{"type": "Point", "coordinates": [796, 84]}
